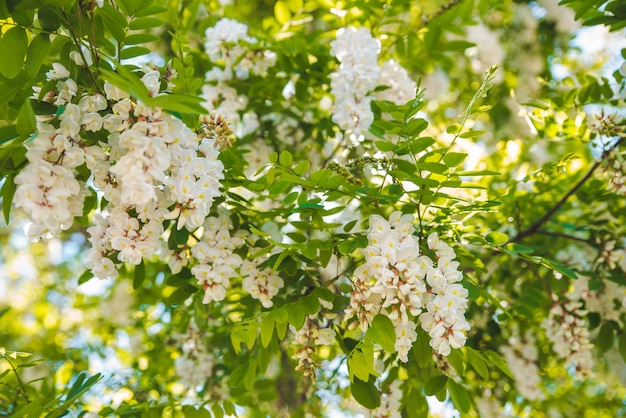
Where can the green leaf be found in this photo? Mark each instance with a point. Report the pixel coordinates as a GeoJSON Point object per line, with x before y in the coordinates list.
{"type": "Point", "coordinates": [385, 146]}
{"type": "Point", "coordinates": [498, 361]}
{"type": "Point", "coordinates": [310, 304]}
{"type": "Point", "coordinates": [285, 159]}
{"type": "Point", "coordinates": [182, 103]}
{"type": "Point", "coordinates": [477, 362]}
{"type": "Point", "coordinates": [12, 50]}
{"type": "Point", "coordinates": [452, 159]}
{"type": "Point", "coordinates": [267, 330]}
{"type": "Point", "coordinates": [481, 173]}
{"type": "Point", "coordinates": [382, 333]}
{"type": "Point", "coordinates": [49, 18]}
{"type": "Point", "coordinates": [85, 277]}
{"type": "Point", "coordinates": [496, 238]}
{"type": "Point", "coordinates": [472, 134]}
{"type": "Point", "coordinates": [238, 374]}
{"type": "Point", "coordinates": [460, 397]}
{"type": "Point", "coordinates": [415, 127]}
{"type": "Point", "coordinates": [145, 23]}
{"type": "Point", "coordinates": [457, 360]}
{"type": "Point", "coordinates": [178, 296]}
{"type": "Point", "coordinates": [365, 393]}
{"type": "Point", "coordinates": [217, 410]}
{"type": "Point", "coordinates": [296, 314]}
{"type": "Point", "coordinates": [422, 351]}
{"type": "Point", "coordinates": [37, 52]}
{"type": "Point", "coordinates": [26, 121]}
{"type": "Point", "coordinates": [361, 361]}
{"type": "Point", "coordinates": [140, 38]}
{"type": "Point", "coordinates": [281, 11]}
{"type": "Point", "coordinates": [134, 51]}
{"type": "Point", "coordinates": [436, 168]}
{"type": "Point", "coordinates": [116, 22]}
{"type": "Point", "coordinates": [435, 384]}
{"type": "Point", "coordinates": [229, 408]}
{"type": "Point", "coordinates": [302, 167]}
{"type": "Point", "coordinates": [605, 337]}
{"type": "Point", "coordinates": [139, 275]}
{"type": "Point", "coordinates": [8, 191]}
{"type": "Point", "coordinates": [127, 81]}
{"type": "Point", "coordinates": [243, 332]}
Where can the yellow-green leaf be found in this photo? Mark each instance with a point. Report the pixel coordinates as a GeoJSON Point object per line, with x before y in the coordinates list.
{"type": "Point", "coordinates": [13, 46]}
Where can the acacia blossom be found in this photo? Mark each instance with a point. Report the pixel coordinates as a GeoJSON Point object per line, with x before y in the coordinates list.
{"type": "Point", "coordinates": [403, 285]}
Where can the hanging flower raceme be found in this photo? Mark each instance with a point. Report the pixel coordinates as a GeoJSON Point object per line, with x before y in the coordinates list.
{"type": "Point", "coordinates": [521, 356]}
{"type": "Point", "coordinates": [400, 283]}
{"type": "Point", "coordinates": [235, 55]}
{"type": "Point", "coordinates": [357, 77]}
{"type": "Point", "coordinates": [567, 329]}
{"type": "Point", "coordinates": [147, 165]}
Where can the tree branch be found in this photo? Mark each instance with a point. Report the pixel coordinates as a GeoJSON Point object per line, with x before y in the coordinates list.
{"type": "Point", "coordinates": [535, 226]}
{"type": "Point", "coordinates": [429, 18]}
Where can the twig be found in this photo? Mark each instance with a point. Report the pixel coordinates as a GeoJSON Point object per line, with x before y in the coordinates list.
{"type": "Point", "coordinates": [19, 380]}
{"type": "Point", "coordinates": [562, 235]}
{"type": "Point", "coordinates": [427, 19]}
{"type": "Point", "coordinates": [537, 224]}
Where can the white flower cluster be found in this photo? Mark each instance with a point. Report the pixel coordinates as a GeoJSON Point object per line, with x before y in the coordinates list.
{"type": "Point", "coordinates": [229, 45]}
{"type": "Point", "coordinates": [149, 167]}
{"type": "Point", "coordinates": [397, 281]}
{"type": "Point", "coordinates": [215, 263]}
{"type": "Point", "coordinates": [308, 338]}
{"type": "Point", "coordinates": [521, 357]}
{"type": "Point", "coordinates": [260, 284]}
{"type": "Point", "coordinates": [390, 403]}
{"type": "Point", "coordinates": [446, 301]}
{"type": "Point", "coordinates": [401, 87]}
{"type": "Point", "coordinates": [609, 301]}
{"type": "Point", "coordinates": [47, 188]}
{"type": "Point", "coordinates": [569, 334]}
{"type": "Point", "coordinates": [195, 365]}
{"type": "Point", "coordinates": [358, 75]}
{"type": "Point", "coordinates": [487, 406]}
{"type": "Point", "coordinates": [615, 170]}
{"type": "Point", "coordinates": [357, 51]}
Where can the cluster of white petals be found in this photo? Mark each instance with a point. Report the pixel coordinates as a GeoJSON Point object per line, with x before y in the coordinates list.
{"type": "Point", "coordinates": [308, 338]}
{"type": "Point", "coordinates": [401, 87]}
{"type": "Point", "coordinates": [357, 52]}
{"type": "Point", "coordinates": [609, 301]}
{"type": "Point", "coordinates": [261, 284]}
{"type": "Point", "coordinates": [357, 77]}
{"type": "Point", "coordinates": [195, 364]}
{"type": "Point", "coordinates": [216, 261]}
{"type": "Point", "coordinates": [615, 170]}
{"type": "Point", "coordinates": [390, 402]}
{"type": "Point", "coordinates": [47, 188]}
{"type": "Point", "coordinates": [236, 55]}
{"type": "Point", "coordinates": [521, 357]}
{"type": "Point", "coordinates": [148, 167]}
{"type": "Point", "coordinates": [446, 301]}
{"type": "Point", "coordinates": [399, 282]}
{"type": "Point", "coordinates": [568, 331]}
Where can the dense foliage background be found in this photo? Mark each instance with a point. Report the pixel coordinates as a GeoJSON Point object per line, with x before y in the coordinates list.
{"type": "Point", "coordinates": [312, 208]}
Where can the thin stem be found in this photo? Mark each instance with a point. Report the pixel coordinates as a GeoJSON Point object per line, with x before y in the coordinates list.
{"type": "Point", "coordinates": [426, 20]}
{"type": "Point", "coordinates": [19, 380]}
{"type": "Point", "coordinates": [80, 51]}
